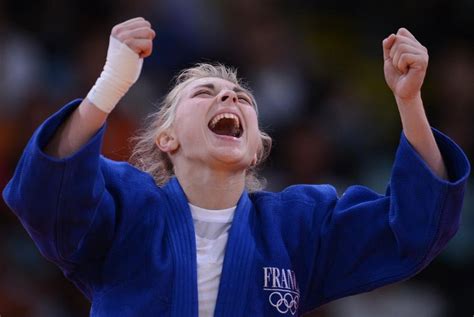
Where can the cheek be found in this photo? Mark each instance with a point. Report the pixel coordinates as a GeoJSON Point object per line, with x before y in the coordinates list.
{"type": "Point", "coordinates": [188, 122]}
{"type": "Point", "coordinates": [188, 132]}
{"type": "Point", "coordinates": [254, 134]}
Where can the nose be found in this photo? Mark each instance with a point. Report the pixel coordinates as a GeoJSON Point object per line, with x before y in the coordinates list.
{"type": "Point", "coordinates": [228, 94]}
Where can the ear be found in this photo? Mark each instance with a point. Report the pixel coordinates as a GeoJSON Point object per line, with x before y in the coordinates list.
{"type": "Point", "coordinates": [167, 142]}
{"type": "Point", "coordinates": [254, 161]}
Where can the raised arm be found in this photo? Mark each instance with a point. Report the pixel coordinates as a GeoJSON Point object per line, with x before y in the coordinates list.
{"type": "Point", "coordinates": [74, 206]}
{"type": "Point", "coordinates": [364, 240]}
{"type": "Point", "coordinates": [130, 42]}
{"type": "Point", "coordinates": [405, 64]}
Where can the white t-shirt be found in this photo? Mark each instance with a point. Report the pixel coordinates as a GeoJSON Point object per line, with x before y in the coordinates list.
{"type": "Point", "coordinates": [212, 230]}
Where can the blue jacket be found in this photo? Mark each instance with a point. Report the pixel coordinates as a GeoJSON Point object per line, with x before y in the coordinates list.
{"type": "Point", "coordinates": [129, 245]}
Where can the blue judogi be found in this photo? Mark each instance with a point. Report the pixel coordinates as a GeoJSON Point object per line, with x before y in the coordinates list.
{"type": "Point", "coordinates": [129, 245]}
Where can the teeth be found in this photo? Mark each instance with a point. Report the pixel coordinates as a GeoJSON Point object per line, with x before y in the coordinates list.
{"type": "Point", "coordinates": [225, 115]}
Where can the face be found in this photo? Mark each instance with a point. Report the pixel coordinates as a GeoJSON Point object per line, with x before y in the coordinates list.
{"type": "Point", "coordinates": [215, 125]}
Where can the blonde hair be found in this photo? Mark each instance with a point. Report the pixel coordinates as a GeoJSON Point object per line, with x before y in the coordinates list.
{"type": "Point", "coordinates": [146, 155]}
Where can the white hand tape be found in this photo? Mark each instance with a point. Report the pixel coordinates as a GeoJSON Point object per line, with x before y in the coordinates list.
{"type": "Point", "coordinates": [121, 70]}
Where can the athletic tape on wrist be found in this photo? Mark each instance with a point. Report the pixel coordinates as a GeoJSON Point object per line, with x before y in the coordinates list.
{"type": "Point", "coordinates": [121, 70]}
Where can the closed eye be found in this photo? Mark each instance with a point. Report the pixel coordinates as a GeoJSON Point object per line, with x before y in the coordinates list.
{"type": "Point", "coordinates": [202, 93]}
{"type": "Point", "coordinates": [245, 99]}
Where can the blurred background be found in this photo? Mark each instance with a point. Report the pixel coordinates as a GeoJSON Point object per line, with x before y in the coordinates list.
{"type": "Point", "coordinates": [316, 70]}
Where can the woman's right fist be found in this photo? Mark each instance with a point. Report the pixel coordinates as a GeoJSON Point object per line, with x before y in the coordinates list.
{"type": "Point", "coordinates": [129, 43]}
{"type": "Point", "coordinates": [137, 34]}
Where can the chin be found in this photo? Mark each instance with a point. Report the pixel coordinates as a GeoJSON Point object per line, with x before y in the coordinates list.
{"type": "Point", "coordinates": [234, 162]}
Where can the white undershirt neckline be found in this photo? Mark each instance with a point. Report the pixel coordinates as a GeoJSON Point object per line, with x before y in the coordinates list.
{"type": "Point", "coordinates": [212, 215]}
{"type": "Point", "coordinates": [212, 231]}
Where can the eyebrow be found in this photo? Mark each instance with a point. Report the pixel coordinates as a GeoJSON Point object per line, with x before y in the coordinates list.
{"type": "Point", "coordinates": [212, 87]}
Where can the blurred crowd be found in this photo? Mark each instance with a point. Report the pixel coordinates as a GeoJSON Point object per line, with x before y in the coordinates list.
{"type": "Point", "coordinates": [316, 69]}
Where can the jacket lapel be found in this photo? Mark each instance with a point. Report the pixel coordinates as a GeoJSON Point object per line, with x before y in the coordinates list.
{"type": "Point", "coordinates": [238, 262]}
{"type": "Point", "coordinates": [183, 245]}
{"type": "Point", "coordinates": [237, 269]}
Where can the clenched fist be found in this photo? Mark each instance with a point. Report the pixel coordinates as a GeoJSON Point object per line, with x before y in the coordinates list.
{"type": "Point", "coordinates": [137, 34]}
{"type": "Point", "coordinates": [129, 43]}
{"type": "Point", "coordinates": [405, 64]}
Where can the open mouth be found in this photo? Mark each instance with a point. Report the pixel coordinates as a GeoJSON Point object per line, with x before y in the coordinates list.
{"type": "Point", "coordinates": [226, 124]}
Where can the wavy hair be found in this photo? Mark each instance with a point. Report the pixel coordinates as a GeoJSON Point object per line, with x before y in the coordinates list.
{"type": "Point", "coordinates": [146, 155]}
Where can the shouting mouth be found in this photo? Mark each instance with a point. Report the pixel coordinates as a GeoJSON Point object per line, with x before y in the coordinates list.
{"type": "Point", "coordinates": [226, 124]}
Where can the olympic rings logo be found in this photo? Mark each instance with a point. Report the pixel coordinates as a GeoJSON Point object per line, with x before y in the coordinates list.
{"type": "Point", "coordinates": [284, 303]}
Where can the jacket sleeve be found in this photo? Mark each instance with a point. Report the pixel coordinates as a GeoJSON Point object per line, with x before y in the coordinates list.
{"type": "Point", "coordinates": [366, 240]}
{"type": "Point", "coordinates": [61, 201]}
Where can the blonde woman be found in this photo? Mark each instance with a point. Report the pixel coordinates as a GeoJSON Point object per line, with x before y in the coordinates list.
{"type": "Point", "coordinates": [188, 231]}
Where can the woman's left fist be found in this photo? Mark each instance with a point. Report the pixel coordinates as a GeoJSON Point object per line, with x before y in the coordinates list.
{"type": "Point", "coordinates": [405, 64]}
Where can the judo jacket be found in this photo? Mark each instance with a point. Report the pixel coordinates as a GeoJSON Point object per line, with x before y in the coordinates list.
{"type": "Point", "coordinates": [129, 245]}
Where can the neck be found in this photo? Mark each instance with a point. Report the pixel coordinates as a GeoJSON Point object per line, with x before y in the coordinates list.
{"type": "Point", "coordinates": [209, 188]}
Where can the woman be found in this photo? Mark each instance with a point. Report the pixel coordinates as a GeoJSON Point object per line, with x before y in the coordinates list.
{"type": "Point", "coordinates": [152, 242]}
